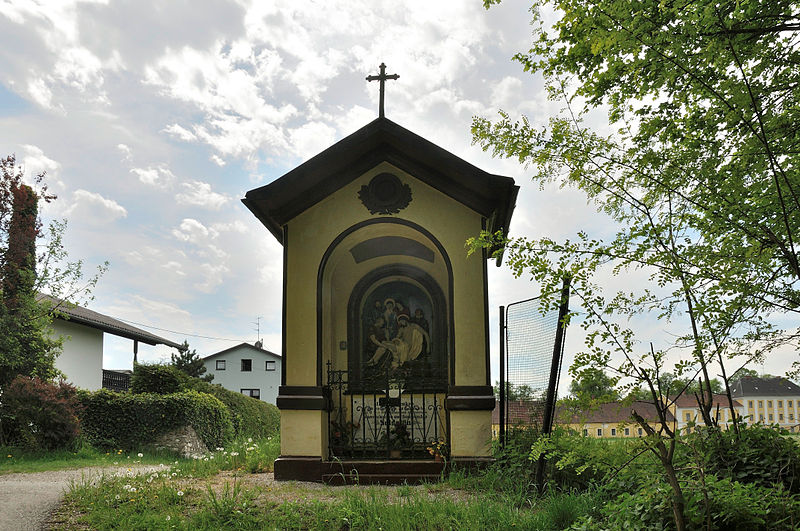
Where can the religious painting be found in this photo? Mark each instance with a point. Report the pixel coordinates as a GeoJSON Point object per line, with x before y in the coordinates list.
{"type": "Point", "coordinates": [396, 330]}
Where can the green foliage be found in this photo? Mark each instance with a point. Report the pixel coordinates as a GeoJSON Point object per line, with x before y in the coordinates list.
{"type": "Point", "coordinates": [156, 378]}
{"type": "Point", "coordinates": [38, 414]}
{"type": "Point", "coordinates": [189, 362]}
{"type": "Point", "coordinates": [594, 385]}
{"type": "Point", "coordinates": [760, 455]}
{"type": "Point", "coordinates": [128, 421]}
{"type": "Point", "coordinates": [251, 417]}
{"type": "Point", "coordinates": [26, 347]}
{"type": "Point", "coordinates": [725, 504]}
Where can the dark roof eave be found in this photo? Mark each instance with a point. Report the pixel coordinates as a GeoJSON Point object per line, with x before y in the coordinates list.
{"type": "Point", "coordinates": [278, 202]}
{"type": "Point", "coordinates": [148, 339]}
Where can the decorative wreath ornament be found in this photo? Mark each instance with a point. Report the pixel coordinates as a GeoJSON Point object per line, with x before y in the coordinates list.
{"type": "Point", "coordinates": [385, 194]}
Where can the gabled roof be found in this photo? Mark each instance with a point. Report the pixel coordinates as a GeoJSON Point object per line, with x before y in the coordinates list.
{"type": "Point", "coordinates": [492, 196]}
{"type": "Point", "coordinates": [689, 400]}
{"type": "Point", "coordinates": [754, 386]}
{"type": "Point", "coordinates": [85, 316]}
{"type": "Point", "coordinates": [615, 412]}
{"type": "Point", "coordinates": [240, 346]}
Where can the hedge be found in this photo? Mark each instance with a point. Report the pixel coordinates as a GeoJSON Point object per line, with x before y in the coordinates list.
{"type": "Point", "coordinates": [251, 417]}
{"type": "Point", "coordinates": [131, 421]}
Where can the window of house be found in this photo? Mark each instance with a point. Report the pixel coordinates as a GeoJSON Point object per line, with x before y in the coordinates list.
{"type": "Point", "coordinates": [771, 417]}
{"type": "Point", "coordinates": [247, 365]}
{"type": "Point", "coordinates": [791, 416]}
{"type": "Point", "coordinates": [640, 432]}
{"type": "Point", "coordinates": [761, 416]}
{"type": "Point", "coordinates": [627, 431]}
{"type": "Point", "coordinates": [585, 432]}
{"type": "Point", "coordinates": [750, 404]}
{"type": "Point", "coordinates": [788, 403]}
{"type": "Point", "coordinates": [780, 417]}
{"type": "Point", "coordinates": [688, 416]}
{"type": "Point", "coordinates": [270, 365]}
{"type": "Point", "coordinates": [760, 403]}
{"type": "Point", "coordinates": [613, 432]}
{"type": "Point", "coordinates": [253, 393]}
{"type": "Point", "coordinates": [717, 416]}
{"type": "Point", "coordinates": [220, 365]}
{"type": "Point", "coordinates": [780, 403]}
{"type": "Point", "coordinates": [769, 403]}
{"type": "Point", "coordinates": [599, 432]}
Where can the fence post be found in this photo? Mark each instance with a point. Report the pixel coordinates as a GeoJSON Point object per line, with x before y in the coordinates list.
{"type": "Point", "coordinates": [502, 397]}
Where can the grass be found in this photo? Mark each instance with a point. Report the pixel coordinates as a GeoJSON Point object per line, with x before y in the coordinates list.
{"type": "Point", "coordinates": [16, 460]}
{"type": "Point", "coordinates": [193, 494]}
{"type": "Point", "coordinates": [241, 454]}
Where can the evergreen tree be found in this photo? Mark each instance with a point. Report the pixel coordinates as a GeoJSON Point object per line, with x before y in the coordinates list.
{"type": "Point", "coordinates": [189, 362]}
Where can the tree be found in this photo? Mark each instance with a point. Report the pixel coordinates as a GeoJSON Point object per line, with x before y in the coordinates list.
{"type": "Point", "coordinates": [701, 176]}
{"type": "Point", "coordinates": [516, 392]}
{"type": "Point", "coordinates": [26, 347]}
{"type": "Point", "coordinates": [594, 385]}
{"type": "Point", "coordinates": [189, 362]}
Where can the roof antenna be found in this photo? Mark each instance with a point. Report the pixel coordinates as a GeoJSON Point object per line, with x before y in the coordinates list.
{"type": "Point", "coordinates": [258, 343]}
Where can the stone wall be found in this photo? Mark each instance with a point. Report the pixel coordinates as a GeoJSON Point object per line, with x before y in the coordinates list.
{"type": "Point", "coordinates": [184, 441]}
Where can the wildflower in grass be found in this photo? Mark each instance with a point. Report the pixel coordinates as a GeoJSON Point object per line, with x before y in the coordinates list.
{"type": "Point", "coordinates": [249, 439]}
{"type": "Point", "coordinates": [180, 493]}
{"type": "Point", "coordinates": [9, 455]}
{"type": "Point", "coordinates": [234, 454]}
{"type": "Point", "coordinates": [116, 497]}
{"type": "Point", "coordinates": [140, 454]}
{"type": "Point", "coordinates": [169, 518]}
{"type": "Point", "coordinates": [219, 448]}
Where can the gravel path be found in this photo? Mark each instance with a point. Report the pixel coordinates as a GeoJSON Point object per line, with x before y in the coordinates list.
{"type": "Point", "coordinates": [26, 500]}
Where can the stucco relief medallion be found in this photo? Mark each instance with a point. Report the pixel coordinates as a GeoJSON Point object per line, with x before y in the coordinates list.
{"type": "Point", "coordinates": [385, 194]}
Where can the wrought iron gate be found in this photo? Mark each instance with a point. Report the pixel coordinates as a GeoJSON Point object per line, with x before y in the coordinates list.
{"type": "Point", "coordinates": [392, 414]}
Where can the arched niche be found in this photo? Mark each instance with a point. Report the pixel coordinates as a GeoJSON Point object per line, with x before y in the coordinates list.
{"type": "Point", "coordinates": [397, 325]}
{"type": "Point", "coordinates": [362, 259]}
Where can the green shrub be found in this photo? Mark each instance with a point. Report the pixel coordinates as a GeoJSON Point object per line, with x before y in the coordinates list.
{"type": "Point", "coordinates": [155, 378]}
{"type": "Point", "coordinates": [727, 505]}
{"type": "Point", "coordinates": [758, 454]}
{"type": "Point", "coordinates": [129, 421]}
{"type": "Point", "coordinates": [251, 417]}
{"type": "Point", "coordinates": [36, 413]}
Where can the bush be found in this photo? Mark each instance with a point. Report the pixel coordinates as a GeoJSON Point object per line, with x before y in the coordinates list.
{"type": "Point", "coordinates": [36, 413]}
{"type": "Point", "coordinates": [131, 421]}
{"type": "Point", "coordinates": [730, 505]}
{"type": "Point", "coordinates": [760, 455]}
{"type": "Point", "coordinates": [251, 417]}
{"type": "Point", "coordinates": [159, 379]}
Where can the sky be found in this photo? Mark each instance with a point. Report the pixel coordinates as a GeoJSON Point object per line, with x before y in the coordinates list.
{"type": "Point", "coordinates": [153, 119]}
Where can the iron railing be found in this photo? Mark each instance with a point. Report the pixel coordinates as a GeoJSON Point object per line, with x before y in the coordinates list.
{"type": "Point", "coordinates": [390, 414]}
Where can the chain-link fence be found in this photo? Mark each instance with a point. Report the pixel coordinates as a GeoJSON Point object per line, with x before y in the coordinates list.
{"type": "Point", "coordinates": [530, 363]}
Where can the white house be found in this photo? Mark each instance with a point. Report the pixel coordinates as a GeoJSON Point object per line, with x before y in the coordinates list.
{"type": "Point", "coordinates": [81, 359]}
{"type": "Point", "coordinates": [770, 401]}
{"type": "Point", "coordinates": [247, 369]}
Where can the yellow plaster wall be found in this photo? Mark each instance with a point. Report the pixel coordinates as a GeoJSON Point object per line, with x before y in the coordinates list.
{"type": "Point", "coordinates": [470, 433]}
{"type": "Point", "coordinates": [298, 436]}
{"type": "Point", "coordinates": [310, 234]}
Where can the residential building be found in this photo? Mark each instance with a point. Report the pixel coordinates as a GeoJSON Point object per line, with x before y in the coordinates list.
{"type": "Point", "coordinates": [81, 359]}
{"type": "Point", "coordinates": [770, 401]}
{"type": "Point", "coordinates": [687, 411]}
{"type": "Point", "coordinates": [611, 419]}
{"type": "Point", "coordinates": [247, 369]}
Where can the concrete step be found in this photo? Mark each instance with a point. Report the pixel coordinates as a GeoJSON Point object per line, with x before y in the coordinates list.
{"type": "Point", "coordinates": [379, 479]}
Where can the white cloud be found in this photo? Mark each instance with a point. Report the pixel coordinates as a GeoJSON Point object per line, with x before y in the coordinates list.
{"type": "Point", "coordinates": [218, 161]}
{"type": "Point", "coordinates": [198, 193]}
{"type": "Point", "coordinates": [311, 138]}
{"type": "Point", "coordinates": [40, 92]}
{"type": "Point", "coordinates": [160, 176]}
{"type": "Point", "coordinates": [180, 132]}
{"type": "Point", "coordinates": [127, 154]}
{"type": "Point", "coordinates": [193, 231]}
{"type": "Point", "coordinates": [93, 208]}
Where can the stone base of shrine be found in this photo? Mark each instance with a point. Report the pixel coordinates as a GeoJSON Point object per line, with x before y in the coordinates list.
{"type": "Point", "coordinates": [370, 472]}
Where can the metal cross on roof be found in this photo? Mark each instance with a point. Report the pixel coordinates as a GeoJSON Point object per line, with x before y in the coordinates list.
{"type": "Point", "coordinates": [382, 77]}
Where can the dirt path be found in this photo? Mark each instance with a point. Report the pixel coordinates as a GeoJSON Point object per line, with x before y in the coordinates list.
{"type": "Point", "coordinates": [26, 500]}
